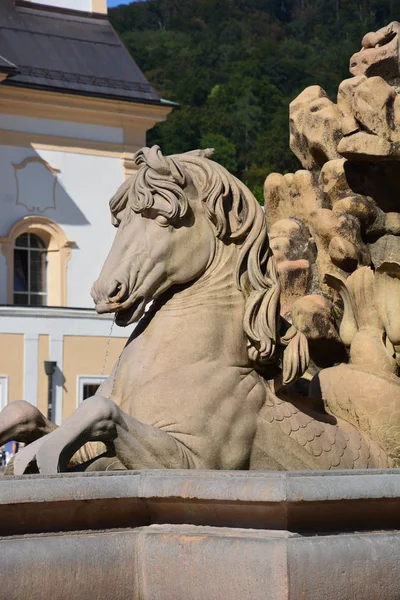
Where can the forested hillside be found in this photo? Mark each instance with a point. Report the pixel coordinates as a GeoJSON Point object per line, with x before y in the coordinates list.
{"type": "Point", "coordinates": [234, 65]}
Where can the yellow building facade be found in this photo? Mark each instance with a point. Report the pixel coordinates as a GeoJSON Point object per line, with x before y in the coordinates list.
{"type": "Point", "coordinates": [74, 107]}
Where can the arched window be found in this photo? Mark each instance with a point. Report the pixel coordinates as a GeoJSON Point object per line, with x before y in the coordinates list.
{"type": "Point", "coordinates": [36, 251]}
{"type": "Point", "coordinates": [30, 270]}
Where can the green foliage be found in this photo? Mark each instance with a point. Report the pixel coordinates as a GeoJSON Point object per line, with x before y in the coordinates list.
{"type": "Point", "coordinates": [235, 65]}
{"type": "Point", "coordinates": [258, 191]}
{"type": "Point", "coordinates": [225, 151]}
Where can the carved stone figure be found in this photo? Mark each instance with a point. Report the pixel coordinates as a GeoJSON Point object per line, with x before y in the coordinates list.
{"type": "Point", "coordinates": [203, 381]}
{"type": "Point", "coordinates": [216, 374]}
{"type": "Point", "coordinates": [349, 207]}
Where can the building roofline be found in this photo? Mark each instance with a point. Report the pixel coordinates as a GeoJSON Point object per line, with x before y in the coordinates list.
{"type": "Point", "coordinates": [6, 66]}
{"type": "Point", "coordinates": [166, 102]}
{"type": "Point", "coordinates": [40, 104]}
{"type": "Point", "coordinates": [86, 94]}
{"type": "Point", "coordinates": [68, 51]}
{"type": "Point", "coordinates": [59, 10]}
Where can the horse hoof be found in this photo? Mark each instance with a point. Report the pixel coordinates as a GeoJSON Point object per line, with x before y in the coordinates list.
{"type": "Point", "coordinates": [26, 457]}
{"type": "Point", "coordinates": [48, 461]}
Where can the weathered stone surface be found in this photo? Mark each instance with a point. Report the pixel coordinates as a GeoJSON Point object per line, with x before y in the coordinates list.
{"type": "Point", "coordinates": [198, 384]}
{"type": "Point", "coordinates": [385, 249]}
{"type": "Point", "coordinates": [345, 103]}
{"type": "Point", "coordinates": [313, 315]}
{"type": "Point", "coordinates": [314, 128]}
{"type": "Point", "coordinates": [333, 182]}
{"type": "Point", "coordinates": [387, 298]}
{"type": "Point", "coordinates": [350, 206]}
{"type": "Point", "coordinates": [188, 535]}
{"type": "Point", "coordinates": [335, 231]}
{"type": "Point", "coordinates": [360, 566]}
{"type": "Point", "coordinates": [204, 382]}
{"type": "Point", "coordinates": [291, 244]}
{"type": "Point", "coordinates": [187, 563]}
{"type": "Point", "coordinates": [353, 391]}
{"type": "Point", "coordinates": [375, 107]}
{"type": "Point", "coordinates": [379, 55]}
{"type": "Point", "coordinates": [369, 102]}
{"type": "Point", "coordinates": [207, 381]}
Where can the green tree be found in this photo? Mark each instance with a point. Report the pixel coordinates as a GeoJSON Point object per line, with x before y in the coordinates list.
{"type": "Point", "coordinates": [235, 65]}
{"type": "Point", "coordinates": [225, 151]}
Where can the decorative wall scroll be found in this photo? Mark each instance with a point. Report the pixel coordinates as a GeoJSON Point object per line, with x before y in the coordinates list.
{"type": "Point", "coordinates": [36, 182]}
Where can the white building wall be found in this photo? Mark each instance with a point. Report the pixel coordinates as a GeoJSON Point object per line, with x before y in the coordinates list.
{"type": "Point", "coordinates": [76, 198]}
{"type": "Point", "coordinates": [83, 131]}
{"type": "Point", "coordinates": [86, 186]}
{"type": "Point", "coordinates": [33, 321]}
{"type": "Point", "coordinates": [84, 5]}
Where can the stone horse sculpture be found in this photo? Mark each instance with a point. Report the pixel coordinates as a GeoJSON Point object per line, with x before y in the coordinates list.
{"type": "Point", "coordinates": [203, 381]}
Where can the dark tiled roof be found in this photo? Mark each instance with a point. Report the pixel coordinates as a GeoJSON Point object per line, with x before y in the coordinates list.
{"type": "Point", "coordinates": [68, 53]}
{"type": "Point", "coordinates": [6, 66]}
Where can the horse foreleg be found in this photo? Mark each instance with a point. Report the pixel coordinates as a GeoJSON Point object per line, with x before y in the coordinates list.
{"type": "Point", "coordinates": [23, 422]}
{"type": "Point", "coordinates": [137, 445]}
{"type": "Point", "coordinates": [88, 454]}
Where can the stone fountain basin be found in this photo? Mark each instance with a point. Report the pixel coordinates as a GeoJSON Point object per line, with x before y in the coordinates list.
{"type": "Point", "coordinates": [193, 535]}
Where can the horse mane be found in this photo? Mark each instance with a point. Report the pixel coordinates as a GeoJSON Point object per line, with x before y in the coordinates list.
{"type": "Point", "coordinates": [237, 218]}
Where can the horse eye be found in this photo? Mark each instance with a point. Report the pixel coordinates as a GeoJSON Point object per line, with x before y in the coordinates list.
{"type": "Point", "coordinates": [162, 221]}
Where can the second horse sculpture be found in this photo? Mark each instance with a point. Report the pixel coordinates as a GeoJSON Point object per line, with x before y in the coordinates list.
{"type": "Point", "coordinates": [201, 382]}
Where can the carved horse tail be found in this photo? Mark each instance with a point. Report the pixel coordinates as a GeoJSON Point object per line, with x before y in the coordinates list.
{"type": "Point", "coordinates": [296, 355]}
{"type": "Point", "coordinates": [263, 325]}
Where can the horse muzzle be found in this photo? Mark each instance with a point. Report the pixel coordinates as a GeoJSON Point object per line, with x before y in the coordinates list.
{"type": "Point", "coordinates": [112, 299]}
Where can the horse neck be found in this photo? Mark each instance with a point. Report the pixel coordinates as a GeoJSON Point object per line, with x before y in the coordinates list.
{"type": "Point", "coordinates": [203, 321]}
{"type": "Point", "coordinates": [216, 288]}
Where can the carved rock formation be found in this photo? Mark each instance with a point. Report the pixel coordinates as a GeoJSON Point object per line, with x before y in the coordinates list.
{"type": "Point", "coordinates": [347, 199]}
{"type": "Point", "coordinates": [314, 128]}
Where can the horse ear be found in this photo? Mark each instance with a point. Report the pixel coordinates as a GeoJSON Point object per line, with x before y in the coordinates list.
{"type": "Point", "coordinates": [152, 158]}
{"type": "Point", "coordinates": [155, 160]}
{"type": "Point", "coordinates": [206, 153]}
{"type": "Point", "coordinates": [140, 157]}
{"type": "Point", "coordinates": [177, 171]}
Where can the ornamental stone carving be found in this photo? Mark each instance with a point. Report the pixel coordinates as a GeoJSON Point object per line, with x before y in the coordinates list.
{"type": "Point", "coordinates": [273, 340]}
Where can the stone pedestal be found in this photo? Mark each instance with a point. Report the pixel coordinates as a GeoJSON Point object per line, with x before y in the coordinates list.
{"type": "Point", "coordinates": [194, 535]}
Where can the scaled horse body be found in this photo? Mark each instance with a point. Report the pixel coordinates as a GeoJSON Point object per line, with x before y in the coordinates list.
{"type": "Point", "coordinates": [199, 383]}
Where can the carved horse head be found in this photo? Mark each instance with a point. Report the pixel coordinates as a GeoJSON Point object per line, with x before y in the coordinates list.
{"type": "Point", "coordinates": [171, 215]}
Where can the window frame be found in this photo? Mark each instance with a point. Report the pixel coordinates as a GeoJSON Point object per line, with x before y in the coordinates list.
{"type": "Point", "coordinates": [58, 254]}
{"type": "Point", "coordinates": [3, 391]}
{"type": "Point", "coordinates": [82, 380]}
{"type": "Point", "coordinates": [29, 249]}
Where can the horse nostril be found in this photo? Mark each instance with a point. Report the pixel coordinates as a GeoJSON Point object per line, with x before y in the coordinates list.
{"type": "Point", "coordinates": [114, 289]}
{"type": "Point", "coordinates": [117, 292]}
